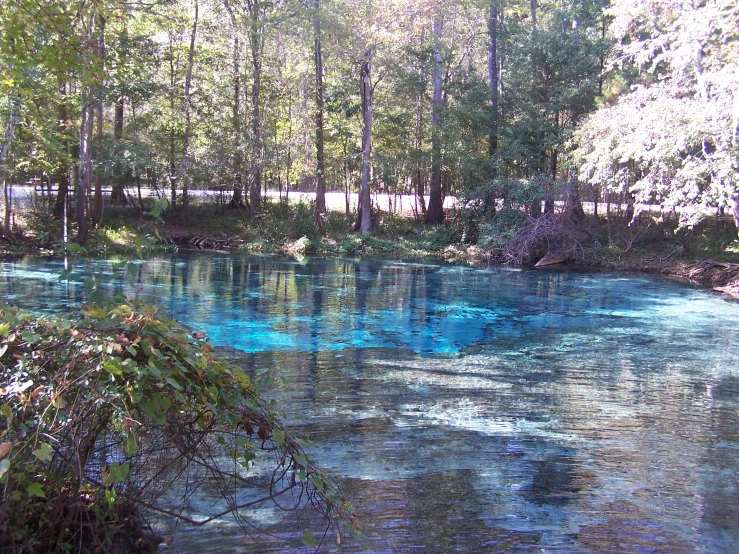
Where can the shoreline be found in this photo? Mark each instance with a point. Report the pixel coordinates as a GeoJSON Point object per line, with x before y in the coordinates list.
{"type": "Point", "coordinates": [718, 276]}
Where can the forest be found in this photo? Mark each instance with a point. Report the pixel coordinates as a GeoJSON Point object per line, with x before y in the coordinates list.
{"type": "Point", "coordinates": [517, 110]}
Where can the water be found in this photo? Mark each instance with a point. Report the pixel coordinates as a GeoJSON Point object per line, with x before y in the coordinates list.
{"type": "Point", "coordinates": [474, 410]}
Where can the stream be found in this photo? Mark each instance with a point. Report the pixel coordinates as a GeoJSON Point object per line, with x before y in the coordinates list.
{"type": "Point", "coordinates": [468, 409]}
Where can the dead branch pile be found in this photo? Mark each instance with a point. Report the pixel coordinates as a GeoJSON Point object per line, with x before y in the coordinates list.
{"type": "Point", "coordinates": [552, 233]}
{"type": "Point", "coordinates": [202, 241]}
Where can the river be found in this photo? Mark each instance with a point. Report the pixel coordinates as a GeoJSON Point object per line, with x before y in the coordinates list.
{"type": "Point", "coordinates": [471, 409]}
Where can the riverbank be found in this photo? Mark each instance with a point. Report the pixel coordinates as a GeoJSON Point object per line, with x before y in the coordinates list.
{"type": "Point", "coordinates": [712, 262]}
{"type": "Point", "coordinates": [719, 276]}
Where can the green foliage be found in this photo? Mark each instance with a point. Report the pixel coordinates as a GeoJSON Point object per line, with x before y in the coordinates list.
{"type": "Point", "coordinates": [101, 415]}
{"type": "Point", "coordinates": [497, 231]}
{"type": "Point", "coordinates": [496, 210]}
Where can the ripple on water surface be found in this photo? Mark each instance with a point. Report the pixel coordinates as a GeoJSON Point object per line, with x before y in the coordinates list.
{"type": "Point", "coordinates": [475, 410]}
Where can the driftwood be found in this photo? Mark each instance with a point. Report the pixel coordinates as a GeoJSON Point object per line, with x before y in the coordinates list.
{"type": "Point", "coordinates": [553, 235]}
{"type": "Point", "coordinates": [553, 259]}
{"type": "Point", "coordinates": [202, 241]}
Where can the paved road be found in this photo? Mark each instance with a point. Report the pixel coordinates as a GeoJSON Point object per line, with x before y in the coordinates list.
{"type": "Point", "coordinates": [25, 196]}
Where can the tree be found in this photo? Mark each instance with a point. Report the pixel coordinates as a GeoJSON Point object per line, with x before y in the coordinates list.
{"type": "Point", "coordinates": [320, 158]}
{"type": "Point", "coordinates": [236, 199]}
{"type": "Point", "coordinates": [670, 137]}
{"type": "Point", "coordinates": [435, 212]}
{"type": "Point", "coordinates": [256, 31]}
{"type": "Point", "coordinates": [366, 91]}
{"type": "Point", "coordinates": [493, 76]}
{"type": "Point", "coordinates": [187, 106]}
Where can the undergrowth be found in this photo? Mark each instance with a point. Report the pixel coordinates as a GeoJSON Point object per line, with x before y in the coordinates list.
{"type": "Point", "coordinates": [103, 414]}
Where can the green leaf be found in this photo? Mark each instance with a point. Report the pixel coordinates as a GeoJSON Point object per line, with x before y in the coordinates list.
{"type": "Point", "coordinates": [36, 489]}
{"type": "Point", "coordinates": [29, 337]}
{"type": "Point", "coordinates": [154, 369]}
{"type": "Point", "coordinates": [4, 329]}
{"type": "Point", "coordinates": [119, 472]}
{"type": "Point", "coordinates": [132, 271]}
{"type": "Point", "coordinates": [96, 313]}
{"type": "Point", "coordinates": [304, 443]}
{"type": "Point", "coordinates": [279, 436]}
{"type": "Point", "coordinates": [131, 443]}
{"type": "Point", "coordinates": [174, 383]}
{"type": "Point", "coordinates": [309, 539]}
{"type": "Point", "coordinates": [113, 365]}
{"type": "Point", "coordinates": [110, 497]}
{"type": "Point", "coordinates": [4, 466]}
{"type": "Point", "coordinates": [43, 452]}
{"type": "Point", "coordinates": [136, 396]}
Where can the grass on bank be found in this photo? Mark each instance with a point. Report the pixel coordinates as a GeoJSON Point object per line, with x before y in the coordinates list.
{"type": "Point", "coordinates": [289, 228]}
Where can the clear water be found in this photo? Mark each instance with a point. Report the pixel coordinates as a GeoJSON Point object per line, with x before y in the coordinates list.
{"type": "Point", "coordinates": [474, 410]}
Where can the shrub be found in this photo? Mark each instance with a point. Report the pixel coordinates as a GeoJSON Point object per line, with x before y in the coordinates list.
{"type": "Point", "coordinates": [101, 415]}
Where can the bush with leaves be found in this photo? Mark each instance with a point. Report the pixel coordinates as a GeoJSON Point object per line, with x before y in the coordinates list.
{"type": "Point", "coordinates": [101, 416]}
{"type": "Point", "coordinates": [496, 210]}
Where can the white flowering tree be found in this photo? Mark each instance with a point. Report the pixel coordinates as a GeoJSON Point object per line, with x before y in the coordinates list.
{"type": "Point", "coordinates": [671, 137]}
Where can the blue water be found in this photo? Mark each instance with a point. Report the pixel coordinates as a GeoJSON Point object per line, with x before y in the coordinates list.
{"type": "Point", "coordinates": [467, 409]}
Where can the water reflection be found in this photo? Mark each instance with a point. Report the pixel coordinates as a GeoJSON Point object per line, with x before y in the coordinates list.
{"type": "Point", "coordinates": [476, 410]}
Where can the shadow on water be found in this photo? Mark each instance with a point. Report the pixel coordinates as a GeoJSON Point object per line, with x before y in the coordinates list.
{"type": "Point", "coordinates": [473, 410]}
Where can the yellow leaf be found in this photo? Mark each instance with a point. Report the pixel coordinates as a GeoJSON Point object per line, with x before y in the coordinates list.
{"type": "Point", "coordinates": [5, 447]}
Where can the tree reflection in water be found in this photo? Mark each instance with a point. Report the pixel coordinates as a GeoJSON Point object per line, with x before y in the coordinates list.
{"type": "Point", "coordinates": [476, 410]}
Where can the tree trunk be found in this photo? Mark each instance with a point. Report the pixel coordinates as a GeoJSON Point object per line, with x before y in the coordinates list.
{"type": "Point", "coordinates": [550, 184]}
{"type": "Point", "coordinates": [80, 184]}
{"type": "Point", "coordinates": [97, 209]}
{"type": "Point", "coordinates": [572, 204]}
{"type": "Point", "coordinates": [435, 213]}
{"type": "Point", "coordinates": [84, 155]}
{"type": "Point", "coordinates": [138, 188]}
{"type": "Point", "coordinates": [237, 200]}
{"type": "Point", "coordinates": [5, 230]}
{"type": "Point", "coordinates": [4, 149]}
{"type": "Point", "coordinates": [602, 56]}
{"type": "Point", "coordinates": [347, 175]}
{"type": "Point", "coordinates": [172, 156]}
{"type": "Point", "coordinates": [289, 168]}
{"type": "Point", "coordinates": [117, 194]}
{"type": "Point", "coordinates": [364, 212]}
{"type": "Point", "coordinates": [9, 129]}
{"type": "Point", "coordinates": [734, 204]}
{"type": "Point", "coordinates": [62, 190]}
{"type": "Point", "coordinates": [420, 188]}
{"type": "Point", "coordinates": [608, 217]}
{"type": "Point", "coordinates": [185, 164]}
{"type": "Point", "coordinates": [493, 76]}
{"type": "Point", "coordinates": [256, 42]}
{"type": "Point", "coordinates": [320, 164]}
{"type": "Point", "coordinates": [88, 160]}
